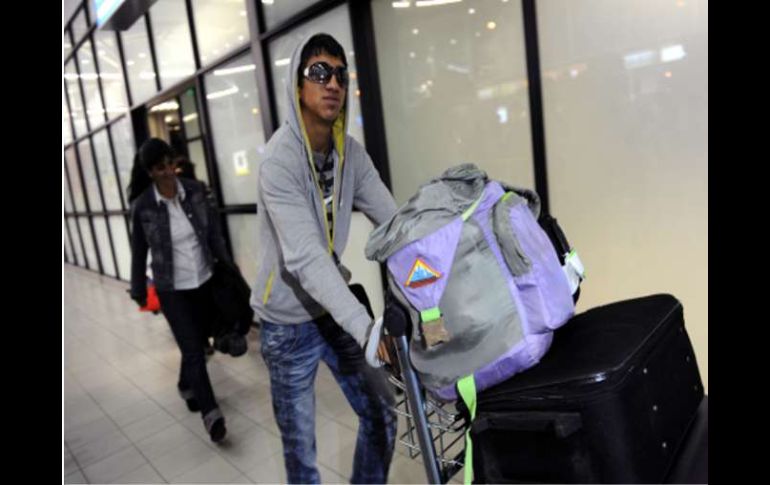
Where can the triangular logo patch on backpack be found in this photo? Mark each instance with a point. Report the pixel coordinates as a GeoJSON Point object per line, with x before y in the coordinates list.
{"type": "Point", "coordinates": [421, 274]}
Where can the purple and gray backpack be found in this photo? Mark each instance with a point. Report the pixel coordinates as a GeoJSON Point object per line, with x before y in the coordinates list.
{"type": "Point", "coordinates": [482, 281]}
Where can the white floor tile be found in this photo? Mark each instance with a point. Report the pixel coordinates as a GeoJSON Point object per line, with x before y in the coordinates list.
{"type": "Point", "coordinates": [212, 470]}
{"type": "Point", "coordinates": [112, 467]}
{"type": "Point", "coordinates": [76, 477]}
{"type": "Point", "coordinates": [143, 474]}
{"type": "Point", "coordinates": [148, 426]}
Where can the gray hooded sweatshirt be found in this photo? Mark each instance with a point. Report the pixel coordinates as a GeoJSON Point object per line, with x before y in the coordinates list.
{"type": "Point", "coordinates": [297, 277]}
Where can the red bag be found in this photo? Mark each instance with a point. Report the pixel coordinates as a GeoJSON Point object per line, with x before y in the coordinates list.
{"type": "Point", "coordinates": [153, 304]}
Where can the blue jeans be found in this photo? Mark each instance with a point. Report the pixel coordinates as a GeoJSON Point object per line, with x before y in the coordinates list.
{"type": "Point", "coordinates": [292, 353]}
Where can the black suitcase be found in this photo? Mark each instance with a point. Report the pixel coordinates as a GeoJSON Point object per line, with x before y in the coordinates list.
{"type": "Point", "coordinates": [611, 402]}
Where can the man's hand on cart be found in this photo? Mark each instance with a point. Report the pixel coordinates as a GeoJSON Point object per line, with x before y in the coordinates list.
{"type": "Point", "coordinates": [382, 349]}
{"type": "Point", "coordinates": [375, 350]}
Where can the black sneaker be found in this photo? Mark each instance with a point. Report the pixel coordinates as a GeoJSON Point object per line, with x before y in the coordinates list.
{"type": "Point", "coordinates": [214, 422]}
{"type": "Point", "coordinates": [218, 430]}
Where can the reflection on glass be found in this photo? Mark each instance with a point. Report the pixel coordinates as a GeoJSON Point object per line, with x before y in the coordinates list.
{"type": "Point", "coordinates": [238, 136]}
{"type": "Point", "coordinates": [74, 177]}
{"type": "Point", "coordinates": [79, 26]}
{"type": "Point", "coordinates": [190, 114]}
{"type": "Point", "coordinates": [454, 87]}
{"type": "Point", "coordinates": [88, 242]}
{"type": "Point", "coordinates": [89, 175]}
{"type": "Point", "coordinates": [67, 247]}
{"type": "Point", "coordinates": [280, 10]}
{"type": "Point", "coordinates": [66, 128]}
{"type": "Point", "coordinates": [110, 186]}
{"type": "Point", "coordinates": [79, 260]}
{"type": "Point", "coordinates": [626, 120]}
{"type": "Point", "coordinates": [141, 74]}
{"type": "Point", "coordinates": [173, 44]}
{"type": "Point", "coordinates": [121, 244]}
{"type": "Point", "coordinates": [197, 157]}
{"type": "Point", "coordinates": [65, 193]}
{"type": "Point", "coordinates": [76, 102]}
{"type": "Point", "coordinates": [66, 44]}
{"type": "Point", "coordinates": [221, 26]}
{"type": "Point", "coordinates": [111, 73]}
{"type": "Point", "coordinates": [103, 242]}
{"type": "Point", "coordinates": [90, 80]}
{"type": "Point", "coordinates": [123, 143]}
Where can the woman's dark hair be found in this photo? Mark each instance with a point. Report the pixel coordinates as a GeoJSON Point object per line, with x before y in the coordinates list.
{"type": "Point", "coordinates": [151, 153]}
{"type": "Point", "coordinates": [154, 151]}
{"type": "Point", "coordinates": [140, 180]}
{"type": "Point", "coordinates": [319, 44]}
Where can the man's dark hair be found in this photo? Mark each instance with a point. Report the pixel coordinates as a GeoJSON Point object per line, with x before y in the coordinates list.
{"type": "Point", "coordinates": [320, 44]}
{"type": "Point", "coordinates": [154, 151]}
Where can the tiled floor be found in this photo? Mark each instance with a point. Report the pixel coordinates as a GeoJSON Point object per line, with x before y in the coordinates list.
{"type": "Point", "coordinates": [125, 423]}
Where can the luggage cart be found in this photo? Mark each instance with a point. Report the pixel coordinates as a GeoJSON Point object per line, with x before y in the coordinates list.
{"type": "Point", "coordinates": [435, 430]}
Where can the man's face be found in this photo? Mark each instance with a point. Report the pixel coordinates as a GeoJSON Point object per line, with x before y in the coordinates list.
{"type": "Point", "coordinates": [323, 101]}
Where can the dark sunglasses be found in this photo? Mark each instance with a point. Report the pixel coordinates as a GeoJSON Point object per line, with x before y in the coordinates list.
{"type": "Point", "coordinates": [321, 73]}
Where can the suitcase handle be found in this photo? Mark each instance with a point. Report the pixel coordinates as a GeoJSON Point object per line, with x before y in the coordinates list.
{"type": "Point", "coordinates": [563, 424]}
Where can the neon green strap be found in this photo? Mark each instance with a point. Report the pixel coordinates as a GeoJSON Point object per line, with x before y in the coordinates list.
{"type": "Point", "coordinates": [268, 287]}
{"type": "Point", "coordinates": [339, 137]}
{"type": "Point", "coordinates": [467, 389]}
{"type": "Point", "coordinates": [430, 314]}
{"type": "Point", "coordinates": [468, 213]}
